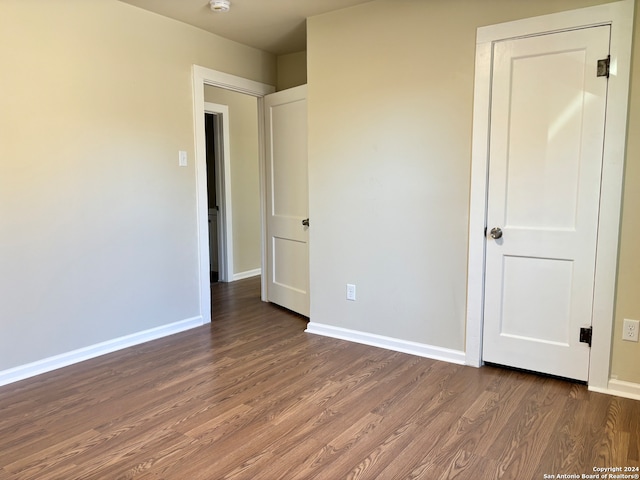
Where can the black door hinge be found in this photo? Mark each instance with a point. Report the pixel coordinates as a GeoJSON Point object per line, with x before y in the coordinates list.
{"type": "Point", "coordinates": [603, 66]}
{"type": "Point", "coordinates": [585, 335]}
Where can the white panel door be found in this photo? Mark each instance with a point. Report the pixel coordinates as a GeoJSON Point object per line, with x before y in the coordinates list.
{"type": "Point", "coordinates": [545, 160]}
{"type": "Point", "coordinates": [287, 199]}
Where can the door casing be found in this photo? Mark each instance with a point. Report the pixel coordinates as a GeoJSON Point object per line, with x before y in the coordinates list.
{"type": "Point", "coordinates": [202, 76]}
{"type": "Point", "coordinates": [620, 16]}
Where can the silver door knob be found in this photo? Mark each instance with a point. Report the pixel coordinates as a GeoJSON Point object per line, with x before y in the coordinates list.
{"type": "Point", "coordinates": [305, 222]}
{"type": "Point", "coordinates": [495, 233]}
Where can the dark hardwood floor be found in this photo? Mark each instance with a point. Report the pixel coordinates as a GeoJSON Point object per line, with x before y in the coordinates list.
{"type": "Point", "coordinates": [252, 396]}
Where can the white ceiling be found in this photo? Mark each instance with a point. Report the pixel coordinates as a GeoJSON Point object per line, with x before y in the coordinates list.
{"type": "Point", "coordinates": [276, 26]}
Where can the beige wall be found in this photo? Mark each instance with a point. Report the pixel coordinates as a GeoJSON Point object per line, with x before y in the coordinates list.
{"type": "Point", "coordinates": [390, 107]}
{"type": "Point", "coordinates": [97, 222]}
{"type": "Point", "coordinates": [292, 70]}
{"type": "Point", "coordinates": [245, 175]}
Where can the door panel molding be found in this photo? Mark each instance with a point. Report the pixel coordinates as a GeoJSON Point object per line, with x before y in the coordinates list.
{"type": "Point", "coordinates": [619, 16]}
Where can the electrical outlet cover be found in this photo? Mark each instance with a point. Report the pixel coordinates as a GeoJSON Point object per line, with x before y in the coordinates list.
{"type": "Point", "coordinates": [351, 292]}
{"type": "Point", "coordinates": [630, 330]}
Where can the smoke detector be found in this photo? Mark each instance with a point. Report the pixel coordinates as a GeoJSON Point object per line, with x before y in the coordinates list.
{"type": "Point", "coordinates": [220, 5]}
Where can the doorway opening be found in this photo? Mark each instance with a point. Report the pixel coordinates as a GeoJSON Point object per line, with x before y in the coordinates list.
{"type": "Point", "coordinates": [212, 128]}
{"type": "Point", "coordinates": [203, 77]}
{"type": "Point", "coordinates": [218, 186]}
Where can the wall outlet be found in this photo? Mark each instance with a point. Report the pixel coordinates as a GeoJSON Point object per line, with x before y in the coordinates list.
{"type": "Point", "coordinates": [630, 330]}
{"type": "Point", "coordinates": [351, 292]}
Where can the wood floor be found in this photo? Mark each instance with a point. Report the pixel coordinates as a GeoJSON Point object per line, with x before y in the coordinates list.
{"type": "Point", "coordinates": [252, 396]}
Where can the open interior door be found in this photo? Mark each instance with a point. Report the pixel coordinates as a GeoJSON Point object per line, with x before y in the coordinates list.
{"type": "Point", "coordinates": [287, 192]}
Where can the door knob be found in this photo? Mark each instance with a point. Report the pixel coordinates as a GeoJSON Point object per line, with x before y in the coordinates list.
{"type": "Point", "coordinates": [495, 233]}
{"type": "Point", "coordinates": [305, 222]}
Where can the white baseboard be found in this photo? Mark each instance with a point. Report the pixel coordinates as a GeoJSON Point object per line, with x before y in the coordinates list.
{"type": "Point", "coordinates": [620, 388]}
{"type": "Point", "coordinates": [389, 343]}
{"type": "Point", "coordinates": [75, 356]}
{"type": "Point", "coordinates": [249, 273]}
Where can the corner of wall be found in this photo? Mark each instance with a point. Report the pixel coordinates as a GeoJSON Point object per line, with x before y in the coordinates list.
{"type": "Point", "coordinates": [291, 70]}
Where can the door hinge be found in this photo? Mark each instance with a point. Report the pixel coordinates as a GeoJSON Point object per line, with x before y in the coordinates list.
{"type": "Point", "coordinates": [585, 335]}
{"type": "Point", "coordinates": [604, 66]}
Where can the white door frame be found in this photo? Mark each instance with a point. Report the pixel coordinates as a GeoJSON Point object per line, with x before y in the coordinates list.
{"type": "Point", "coordinates": [223, 187]}
{"type": "Point", "coordinates": [620, 16]}
{"type": "Point", "coordinates": [202, 76]}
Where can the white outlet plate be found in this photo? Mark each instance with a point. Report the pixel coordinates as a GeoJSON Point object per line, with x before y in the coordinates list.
{"type": "Point", "coordinates": [630, 330]}
{"type": "Point", "coordinates": [351, 292]}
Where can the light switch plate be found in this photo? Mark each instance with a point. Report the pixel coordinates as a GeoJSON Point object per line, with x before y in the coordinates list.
{"type": "Point", "coordinates": [182, 158]}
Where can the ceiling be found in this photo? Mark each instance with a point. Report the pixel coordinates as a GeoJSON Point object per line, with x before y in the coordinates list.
{"type": "Point", "coordinates": [276, 26]}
